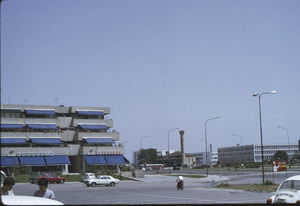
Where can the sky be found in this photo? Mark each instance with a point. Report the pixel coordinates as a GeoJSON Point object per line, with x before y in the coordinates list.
{"type": "Point", "coordinates": [160, 65]}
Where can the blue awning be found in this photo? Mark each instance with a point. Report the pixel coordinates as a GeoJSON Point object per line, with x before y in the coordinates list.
{"type": "Point", "coordinates": [32, 161]}
{"type": "Point", "coordinates": [93, 126]}
{"type": "Point", "coordinates": [98, 140]}
{"type": "Point", "coordinates": [115, 160]}
{"type": "Point", "coordinates": [40, 112]}
{"type": "Point", "coordinates": [42, 126]}
{"type": "Point", "coordinates": [11, 126]}
{"type": "Point", "coordinates": [11, 109]}
{"type": "Point", "coordinates": [90, 113]}
{"type": "Point", "coordinates": [41, 140]}
{"type": "Point", "coordinates": [13, 140]}
{"type": "Point", "coordinates": [57, 160]}
{"type": "Point", "coordinates": [9, 161]}
{"type": "Point", "coordinates": [94, 160]}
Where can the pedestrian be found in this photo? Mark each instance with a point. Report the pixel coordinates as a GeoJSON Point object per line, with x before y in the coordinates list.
{"type": "Point", "coordinates": [7, 187]}
{"type": "Point", "coordinates": [44, 191]}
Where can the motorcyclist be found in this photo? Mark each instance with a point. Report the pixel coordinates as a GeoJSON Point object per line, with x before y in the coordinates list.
{"type": "Point", "coordinates": [179, 183]}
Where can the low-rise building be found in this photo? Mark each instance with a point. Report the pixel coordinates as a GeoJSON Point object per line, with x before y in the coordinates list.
{"type": "Point", "coordinates": [252, 153]}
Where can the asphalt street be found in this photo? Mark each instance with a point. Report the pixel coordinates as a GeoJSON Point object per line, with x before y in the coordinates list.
{"type": "Point", "coordinates": [157, 189]}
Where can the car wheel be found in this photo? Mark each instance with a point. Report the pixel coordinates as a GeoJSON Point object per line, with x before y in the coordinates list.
{"type": "Point", "coordinates": [112, 184]}
{"type": "Point", "coordinates": [62, 181]}
{"type": "Point", "coordinates": [93, 184]}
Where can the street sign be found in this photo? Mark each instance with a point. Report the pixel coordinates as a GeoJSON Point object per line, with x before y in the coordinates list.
{"type": "Point", "coordinates": [279, 166]}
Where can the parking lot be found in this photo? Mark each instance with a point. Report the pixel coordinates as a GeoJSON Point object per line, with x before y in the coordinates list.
{"type": "Point", "coordinates": [153, 189]}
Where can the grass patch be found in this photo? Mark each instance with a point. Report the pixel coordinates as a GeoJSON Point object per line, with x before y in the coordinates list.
{"type": "Point", "coordinates": [251, 188]}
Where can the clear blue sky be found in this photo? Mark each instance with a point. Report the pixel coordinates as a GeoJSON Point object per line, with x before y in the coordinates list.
{"type": "Point", "coordinates": [160, 65]}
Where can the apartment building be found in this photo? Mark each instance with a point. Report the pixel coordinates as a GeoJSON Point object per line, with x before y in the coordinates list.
{"type": "Point", "coordinates": [58, 138]}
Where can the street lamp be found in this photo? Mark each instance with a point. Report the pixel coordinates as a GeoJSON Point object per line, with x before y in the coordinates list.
{"type": "Point", "coordinates": [261, 137]}
{"type": "Point", "coordinates": [141, 147]}
{"type": "Point", "coordinates": [241, 143]}
{"type": "Point", "coordinates": [206, 143]}
{"type": "Point", "coordinates": [287, 132]}
{"type": "Point", "coordinates": [141, 141]}
{"type": "Point", "coordinates": [169, 146]}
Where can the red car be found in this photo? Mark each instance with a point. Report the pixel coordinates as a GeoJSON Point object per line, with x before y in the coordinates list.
{"type": "Point", "coordinates": [50, 177]}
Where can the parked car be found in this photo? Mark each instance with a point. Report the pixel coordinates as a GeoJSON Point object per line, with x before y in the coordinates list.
{"type": "Point", "coordinates": [87, 176]}
{"type": "Point", "coordinates": [102, 180]}
{"type": "Point", "coordinates": [287, 192]}
{"type": "Point", "coordinates": [52, 178]}
{"type": "Point", "coordinates": [28, 200]}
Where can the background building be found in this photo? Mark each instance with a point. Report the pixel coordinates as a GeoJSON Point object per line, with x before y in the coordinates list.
{"type": "Point", "coordinates": [67, 139]}
{"type": "Point", "coordinates": [252, 153]}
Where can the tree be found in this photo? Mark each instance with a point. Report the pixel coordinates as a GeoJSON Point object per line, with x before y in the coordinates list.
{"type": "Point", "coordinates": [280, 155]}
{"type": "Point", "coordinates": [148, 156]}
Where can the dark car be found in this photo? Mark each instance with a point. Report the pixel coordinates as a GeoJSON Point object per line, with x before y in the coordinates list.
{"type": "Point", "coordinates": [52, 178]}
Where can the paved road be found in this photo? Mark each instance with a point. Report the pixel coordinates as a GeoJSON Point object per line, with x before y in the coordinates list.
{"type": "Point", "coordinates": [153, 189]}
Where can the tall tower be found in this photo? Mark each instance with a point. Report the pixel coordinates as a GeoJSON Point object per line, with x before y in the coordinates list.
{"type": "Point", "coordinates": [181, 132]}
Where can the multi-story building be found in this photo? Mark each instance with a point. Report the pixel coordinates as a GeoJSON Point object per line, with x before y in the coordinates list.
{"type": "Point", "coordinates": [67, 139]}
{"type": "Point", "coordinates": [212, 158]}
{"type": "Point", "coordinates": [252, 153]}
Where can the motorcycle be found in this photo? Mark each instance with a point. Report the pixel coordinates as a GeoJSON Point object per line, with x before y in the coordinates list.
{"type": "Point", "coordinates": [180, 185]}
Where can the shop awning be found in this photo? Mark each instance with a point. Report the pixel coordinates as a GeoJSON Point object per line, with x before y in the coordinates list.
{"type": "Point", "coordinates": [32, 161]}
{"type": "Point", "coordinates": [11, 126]}
{"type": "Point", "coordinates": [93, 126]}
{"type": "Point", "coordinates": [40, 112]}
{"type": "Point", "coordinates": [90, 113]}
{"type": "Point", "coordinates": [9, 161]}
{"type": "Point", "coordinates": [42, 126]}
{"type": "Point", "coordinates": [58, 160]}
{"type": "Point", "coordinates": [46, 140]}
{"type": "Point", "coordinates": [115, 160]}
{"type": "Point", "coordinates": [94, 160]}
{"type": "Point", "coordinates": [13, 140]}
{"type": "Point", "coordinates": [98, 140]}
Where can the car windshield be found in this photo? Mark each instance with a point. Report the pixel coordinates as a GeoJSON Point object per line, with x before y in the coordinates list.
{"type": "Point", "coordinates": [291, 184]}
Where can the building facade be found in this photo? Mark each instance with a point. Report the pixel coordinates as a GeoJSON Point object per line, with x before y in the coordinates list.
{"type": "Point", "coordinates": [67, 139]}
{"type": "Point", "coordinates": [252, 153]}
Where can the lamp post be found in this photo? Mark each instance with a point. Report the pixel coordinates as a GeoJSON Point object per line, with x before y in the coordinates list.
{"type": "Point", "coordinates": [206, 143]}
{"type": "Point", "coordinates": [141, 141]}
{"type": "Point", "coordinates": [261, 137]}
{"type": "Point", "coordinates": [141, 147]}
{"type": "Point", "coordinates": [169, 146]}
{"type": "Point", "coordinates": [287, 132]}
{"type": "Point", "coordinates": [241, 143]}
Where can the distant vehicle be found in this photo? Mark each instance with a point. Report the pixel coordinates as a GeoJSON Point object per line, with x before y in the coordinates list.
{"type": "Point", "coordinates": [287, 192]}
{"type": "Point", "coordinates": [153, 166]}
{"type": "Point", "coordinates": [87, 176]}
{"type": "Point", "coordinates": [52, 178]}
{"type": "Point", "coordinates": [102, 180]}
{"type": "Point", "coordinates": [28, 200]}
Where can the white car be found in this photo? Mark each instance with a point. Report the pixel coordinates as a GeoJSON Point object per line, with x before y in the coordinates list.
{"type": "Point", "coordinates": [287, 192]}
{"type": "Point", "coordinates": [28, 200]}
{"type": "Point", "coordinates": [87, 176]}
{"type": "Point", "coordinates": [102, 180]}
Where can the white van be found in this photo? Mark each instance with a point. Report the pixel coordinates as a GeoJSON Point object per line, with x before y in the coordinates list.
{"type": "Point", "coordinates": [87, 176]}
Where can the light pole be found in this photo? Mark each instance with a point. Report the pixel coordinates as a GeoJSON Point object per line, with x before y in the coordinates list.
{"type": "Point", "coordinates": [241, 143]}
{"type": "Point", "coordinates": [261, 137]}
{"type": "Point", "coordinates": [141, 141]}
{"type": "Point", "coordinates": [169, 146]}
{"type": "Point", "coordinates": [141, 147]}
{"type": "Point", "coordinates": [287, 132]}
{"type": "Point", "coordinates": [206, 143]}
